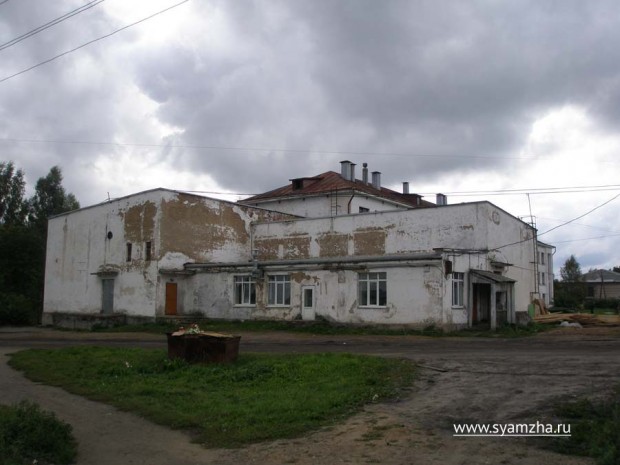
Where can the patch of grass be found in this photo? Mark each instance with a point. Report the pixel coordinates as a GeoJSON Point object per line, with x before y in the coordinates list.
{"type": "Point", "coordinates": [507, 330]}
{"type": "Point", "coordinates": [595, 429]}
{"type": "Point", "coordinates": [322, 327]}
{"type": "Point", "coordinates": [29, 434]}
{"type": "Point", "coordinates": [260, 397]}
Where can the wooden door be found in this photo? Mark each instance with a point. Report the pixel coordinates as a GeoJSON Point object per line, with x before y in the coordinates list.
{"type": "Point", "coordinates": [171, 298]}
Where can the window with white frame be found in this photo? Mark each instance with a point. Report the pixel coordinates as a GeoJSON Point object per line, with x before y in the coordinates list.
{"type": "Point", "coordinates": [245, 290]}
{"type": "Point", "coordinates": [279, 290]}
{"type": "Point", "coordinates": [372, 289]}
{"type": "Point", "coordinates": [458, 289]}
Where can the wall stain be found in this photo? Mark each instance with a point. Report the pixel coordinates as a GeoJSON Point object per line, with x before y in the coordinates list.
{"type": "Point", "coordinates": [333, 245]}
{"type": "Point", "coordinates": [139, 222]}
{"type": "Point", "coordinates": [369, 242]}
{"type": "Point", "coordinates": [292, 247]}
{"type": "Point", "coordinates": [194, 228]}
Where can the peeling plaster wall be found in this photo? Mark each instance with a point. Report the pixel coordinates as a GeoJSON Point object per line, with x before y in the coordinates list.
{"type": "Point", "coordinates": [473, 226]}
{"type": "Point", "coordinates": [180, 228]}
{"type": "Point", "coordinates": [79, 246]}
{"type": "Point", "coordinates": [415, 296]}
{"type": "Point", "coordinates": [198, 229]}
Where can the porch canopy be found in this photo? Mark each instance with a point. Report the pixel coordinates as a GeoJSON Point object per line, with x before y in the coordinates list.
{"type": "Point", "coordinates": [493, 293]}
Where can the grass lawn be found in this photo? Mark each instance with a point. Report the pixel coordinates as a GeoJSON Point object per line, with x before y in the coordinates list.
{"type": "Point", "coordinates": [260, 397]}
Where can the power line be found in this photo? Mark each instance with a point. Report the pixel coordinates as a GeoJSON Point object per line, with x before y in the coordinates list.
{"type": "Point", "coordinates": [560, 225]}
{"type": "Point", "coordinates": [49, 24]}
{"type": "Point", "coordinates": [586, 239]}
{"type": "Point", "coordinates": [92, 41]}
{"type": "Point", "coordinates": [535, 191]}
{"type": "Point", "coordinates": [262, 149]}
{"type": "Point", "coordinates": [3, 2]}
{"type": "Point", "coordinates": [581, 216]}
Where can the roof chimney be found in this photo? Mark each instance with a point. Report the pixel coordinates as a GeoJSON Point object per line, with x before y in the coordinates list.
{"type": "Point", "coordinates": [376, 179]}
{"type": "Point", "coordinates": [405, 187]}
{"type": "Point", "coordinates": [365, 173]}
{"type": "Point", "coordinates": [345, 169]}
{"type": "Point", "coordinates": [441, 199]}
{"type": "Point", "coordinates": [352, 175]}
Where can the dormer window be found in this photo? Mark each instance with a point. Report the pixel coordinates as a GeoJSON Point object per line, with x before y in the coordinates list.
{"type": "Point", "coordinates": [298, 184]}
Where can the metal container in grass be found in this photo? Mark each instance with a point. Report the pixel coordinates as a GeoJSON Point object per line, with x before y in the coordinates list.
{"type": "Point", "coordinates": [197, 346]}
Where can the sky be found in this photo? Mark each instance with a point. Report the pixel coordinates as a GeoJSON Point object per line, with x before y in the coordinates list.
{"type": "Point", "coordinates": [517, 103]}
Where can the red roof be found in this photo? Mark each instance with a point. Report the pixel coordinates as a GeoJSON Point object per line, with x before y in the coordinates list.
{"type": "Point", "coordinates": [331, 181]}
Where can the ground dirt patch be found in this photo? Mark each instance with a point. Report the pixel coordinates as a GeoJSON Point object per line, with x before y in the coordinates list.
{"type": "Point", "coordinates": [484, 380]}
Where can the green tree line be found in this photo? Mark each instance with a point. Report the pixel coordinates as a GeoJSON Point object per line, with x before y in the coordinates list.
{"type": "Point", "coordinates": [23, 237]}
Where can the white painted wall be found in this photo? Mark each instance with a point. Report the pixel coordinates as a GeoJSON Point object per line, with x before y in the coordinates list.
{"type": "Point", "coordinates": [321, 206]}
{"type": "Point", "coordinates": [78, 248]}
{"type": "Point", "coordinates": [182, 228]}
{"type": "Point", "coordinates": [474, 226]}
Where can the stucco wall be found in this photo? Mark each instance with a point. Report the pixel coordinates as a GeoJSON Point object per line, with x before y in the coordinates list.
{"type": "Point", "coordinates": [321, 206]}
{"type": "Point", "coordinates": [465, 232]}
{"type": "Point", "coordinates": [94, 239]}
{"type": "Point", "coordinates": [181, 228]}
{"type": "Point", "coordinates": [415, 295]}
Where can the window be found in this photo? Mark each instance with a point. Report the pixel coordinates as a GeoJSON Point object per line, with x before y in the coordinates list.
{"type": "Point", "coordinates": [279, 290]}
{"type": "Point", "coordinates": [245, 290]}
{"type": "Point", "coordinates": [147, 251]}
{"type": "Point", "coordinates": [543, 280]}
{"type": "Point", "coordinates": [364, 210]}
{"type": "Point", "coordinates": [458, 286]}
{"type": "Point", "coordinates": [128, 251]}
{"type": "Point", "coordinates": [372, 289]}
{"type": "Point", "coordinates": [542, 258]}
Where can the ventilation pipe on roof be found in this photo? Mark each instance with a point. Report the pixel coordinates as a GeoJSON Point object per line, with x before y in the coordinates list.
{"type": "Point", "coordinates": [345, 169]}
{"type": "Point", "coordinates": [441, 199]}
{"type": "Point", "coordinates": [376, 179]}
{"type": "Point", "coordinates": [365, 173]}
{"type": "Point", "coordinates": [352, 175]}
{"type": "Point", "coordinates": [405, 187]}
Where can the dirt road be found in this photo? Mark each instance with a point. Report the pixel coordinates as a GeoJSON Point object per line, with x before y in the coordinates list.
{"type": "Point", "coordinates": [482, 380]}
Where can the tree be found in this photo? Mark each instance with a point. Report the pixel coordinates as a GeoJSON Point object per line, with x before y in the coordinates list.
{"type": "Point", "coordinates": [13, 206]}
{"type": "Point", "coordinates": [50, 199]}
{"type": "Point", "coordinates": [23, 231]}
{"type": "Point", "coordinates": [570, 292]}
{"type": "Point", "coordinates": [571, 271]}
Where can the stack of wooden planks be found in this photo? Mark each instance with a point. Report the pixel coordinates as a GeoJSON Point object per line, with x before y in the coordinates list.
{"type": "Point", "coordinates": [585, 319]}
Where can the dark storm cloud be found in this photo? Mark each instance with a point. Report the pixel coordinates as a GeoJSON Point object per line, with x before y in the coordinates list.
{"type": "Point", "coordinates": [432, 80]}
{"type": "Point", "coordinates": [422, 78]}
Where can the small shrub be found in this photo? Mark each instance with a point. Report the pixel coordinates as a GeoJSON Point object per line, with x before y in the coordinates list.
{"type": "Point", "coordinates": [28, 433]}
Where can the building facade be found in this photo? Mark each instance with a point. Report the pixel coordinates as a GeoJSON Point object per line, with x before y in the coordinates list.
{"type": "Point", "coordinates": [165, 253]}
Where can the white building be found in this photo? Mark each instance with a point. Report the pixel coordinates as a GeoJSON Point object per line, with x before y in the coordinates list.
{"type": "Point", "coordinates": [400, 261]}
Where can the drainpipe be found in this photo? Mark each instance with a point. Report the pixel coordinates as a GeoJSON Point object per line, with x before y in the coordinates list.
{"type": "Point", "coordinates": [349, 204]}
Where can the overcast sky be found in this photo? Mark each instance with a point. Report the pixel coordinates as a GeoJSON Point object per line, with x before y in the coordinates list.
{"type": "Point", "coordinates": [240, 96]}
